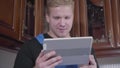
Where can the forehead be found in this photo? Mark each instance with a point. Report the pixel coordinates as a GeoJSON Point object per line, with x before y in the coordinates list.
{"type": "Point", "coordinates": [61, 10]}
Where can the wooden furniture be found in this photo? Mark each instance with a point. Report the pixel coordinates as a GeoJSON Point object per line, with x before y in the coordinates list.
{"type": "Point", "coordinates": [10, 15]}
{"type": "Point", "coordinates": [11, 20]}
{"type": "Point", "coordinates": [111, 44]}
{"type": "Point", "coordinates": [18, 18]}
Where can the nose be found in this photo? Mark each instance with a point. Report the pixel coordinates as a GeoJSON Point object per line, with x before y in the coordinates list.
{"type": "Point", "coordinates": [62, 22]}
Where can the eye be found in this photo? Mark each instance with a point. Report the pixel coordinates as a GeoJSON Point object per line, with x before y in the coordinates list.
{"type": "Point", "coordinates": [56, 17]}
{"type": "Point", "coordinates": [67, 17]}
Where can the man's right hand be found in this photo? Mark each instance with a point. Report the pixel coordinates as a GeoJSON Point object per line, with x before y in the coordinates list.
{"type": "Point", "coordinates": [48, 60]}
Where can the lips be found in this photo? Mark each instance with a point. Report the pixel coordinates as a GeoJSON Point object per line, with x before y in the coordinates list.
{"type": "Point", "coordinates": [61, 30]}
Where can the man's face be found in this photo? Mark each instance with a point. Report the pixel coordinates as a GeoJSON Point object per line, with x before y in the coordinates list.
{"type": "Point", "coordinates": [60, 21]}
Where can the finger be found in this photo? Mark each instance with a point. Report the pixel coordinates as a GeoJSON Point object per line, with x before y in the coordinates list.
{"type": "Point", "coordinates": [48, 55]}
{"type": "Point", "coordinates": [92, 60]}
{"type": "Point", "coordinates": [40, 55]}
{"type": "Point", "coordinates": [53, 60]}
{"type": "Point", "coordinates": [55, 64]}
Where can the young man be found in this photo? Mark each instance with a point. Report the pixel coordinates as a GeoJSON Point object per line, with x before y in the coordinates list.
{"type": "Point", "coordinates": [59, 15]}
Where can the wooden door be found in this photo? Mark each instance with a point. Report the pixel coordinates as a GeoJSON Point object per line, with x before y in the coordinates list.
{"type": "Point", "coordinates": [116, 20]}
{"type": "Point", "coordinates": [105, 26]}
{"type": "Point", "coordinates": [11, 18]}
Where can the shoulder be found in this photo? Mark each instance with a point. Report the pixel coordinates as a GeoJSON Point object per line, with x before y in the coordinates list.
{"type": "Point", "coordinates": [31, 44]}
{"type": "Point", "coordinates": [28, 54]}
{"type": "Point", "coordinates": [31, 48]}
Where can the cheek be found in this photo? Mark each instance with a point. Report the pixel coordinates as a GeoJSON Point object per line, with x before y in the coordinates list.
{"type": "Point", "coordinates": [70, 23]}
{"type": "Point", "coordinates": [53, 24]}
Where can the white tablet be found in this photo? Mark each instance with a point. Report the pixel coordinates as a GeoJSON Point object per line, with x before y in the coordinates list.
{"type": "Point", "coordinates": [75, 50]}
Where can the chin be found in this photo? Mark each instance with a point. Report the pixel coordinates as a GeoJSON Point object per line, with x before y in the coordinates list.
{"type": "Point", "coordinates": [62, 36]}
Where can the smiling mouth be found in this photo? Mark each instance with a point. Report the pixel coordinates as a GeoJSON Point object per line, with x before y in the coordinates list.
{"type": "Point", "coordinates": [62, 30]}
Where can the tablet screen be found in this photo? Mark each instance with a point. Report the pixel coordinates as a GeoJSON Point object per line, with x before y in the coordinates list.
{"type": "Point", "coordinates": [74, 50]}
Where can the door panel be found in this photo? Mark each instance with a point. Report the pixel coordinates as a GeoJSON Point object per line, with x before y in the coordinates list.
{"type": "Point", "coordinates": [10, 18]}
{"type": "Point", "coordinates": [116, 21]}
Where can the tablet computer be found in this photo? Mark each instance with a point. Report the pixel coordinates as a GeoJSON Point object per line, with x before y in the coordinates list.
{"type": "Point", "coordinates": [74, 50]}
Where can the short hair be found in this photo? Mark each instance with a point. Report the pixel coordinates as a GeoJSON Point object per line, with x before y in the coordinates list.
{"type": "Point", "coordinates": [57, 3]}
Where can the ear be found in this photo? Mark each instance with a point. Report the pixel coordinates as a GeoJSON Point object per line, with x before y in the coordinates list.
{"type": "Point", "coordinates": [47, 18]}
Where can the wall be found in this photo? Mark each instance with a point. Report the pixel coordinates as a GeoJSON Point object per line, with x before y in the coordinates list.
{"type": "Point", "coordinates": [7, 59]}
